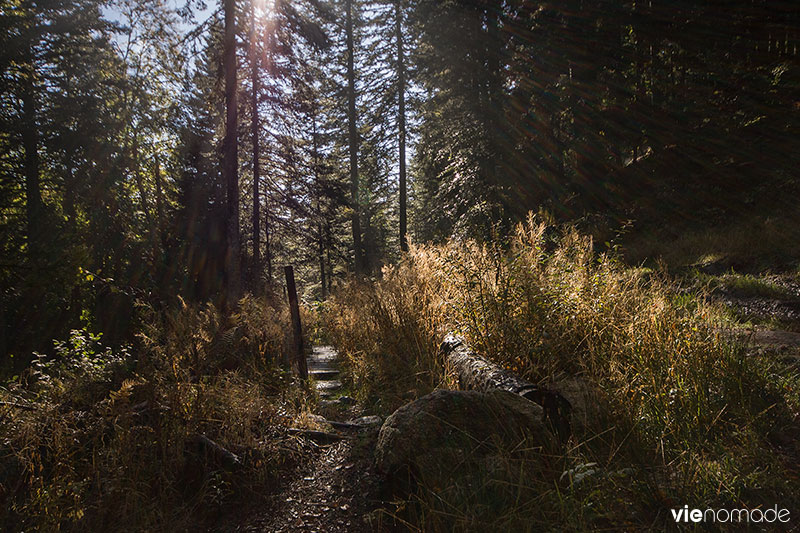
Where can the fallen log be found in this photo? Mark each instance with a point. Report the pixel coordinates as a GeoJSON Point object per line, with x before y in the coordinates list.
{"type": "Point", "coordinates": [474, 372]}
{"type": "Point", "coordinates": [215, 452]}
{"type": "Point", "coordinates": [18, 406]}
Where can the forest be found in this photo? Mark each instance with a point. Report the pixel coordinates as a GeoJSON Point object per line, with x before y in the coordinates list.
{"type": "Point", "coordinates": [546, 254]}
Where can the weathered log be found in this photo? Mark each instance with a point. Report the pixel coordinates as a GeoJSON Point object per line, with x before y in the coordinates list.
{"type": "Point", "coordinates": [477, 373]}
{"type": "Point", "coordinates": [218, 454]}
{"type": "Point", "coordinates": [18, 406]}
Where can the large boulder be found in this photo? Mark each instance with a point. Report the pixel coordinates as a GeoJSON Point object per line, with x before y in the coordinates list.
{"type": "Point", "coordinates": [447, 436]}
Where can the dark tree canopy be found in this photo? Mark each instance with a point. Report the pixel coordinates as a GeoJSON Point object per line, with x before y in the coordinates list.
{"type": "Point", "coordinates": [150, 152]}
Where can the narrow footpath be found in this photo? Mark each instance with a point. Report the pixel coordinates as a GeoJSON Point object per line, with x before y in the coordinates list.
{"type": "Point", "coordinates": [337, 490]}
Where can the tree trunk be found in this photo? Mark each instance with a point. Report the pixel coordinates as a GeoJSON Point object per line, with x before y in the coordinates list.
{"type": "Point", "coordinates": [401, 121]}
{"type": "Point", "coordinates": [30, 144]}
{"type": "Point", "coordinates": [353, 139]}
{"type": "Point", "coordinates": [267, 240]}
{"type": "Point", "coordinates": [255, 127]}
{"type": "Point", "coordinates": [160, 202]}
{"type": "Point", "coordinates": [322, 279]}
{"type": "Point", "coordinates": [69, 196]}
{"type": "Point", "coordinates": [137, 175]}
{"type": "Point", "coordinates": [328, 260]}
{"type": "Point", "coordinates": [143, 196]}
{"type": "Point", "coordinates": [318, 198]}
{"type": "Point", "coordinates": [230, 162]}
{"type": "Point", "coordinates": [494, 109]}
{"type": "Point", "coordinates": [475, 372]}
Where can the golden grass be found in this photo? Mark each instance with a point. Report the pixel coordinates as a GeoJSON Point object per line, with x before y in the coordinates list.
{"type": "Point", "coordinates": [680, 414]}
{"type": "Point", "coordinates": [110, 443]}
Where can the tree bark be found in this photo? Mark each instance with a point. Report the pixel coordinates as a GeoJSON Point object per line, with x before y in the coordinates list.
{"type": "Point", "coordinates": [255, 127]}
{"type": "Point", "coordinates": [353, 140]}
{"type": "Point", "coordinates": [475, 372]}
{"type": "Point", "coordinates": [230, 162]}
{"type": "Point", "coordinates": [160, 202]}
{"type": "Point", "coordinates": [328, 260]}
{"type": "Point", "coordinates": [322, 279]}
{"type": "Point", "coordinates": [30, 144]}
{"type": "Point", "coordinates": [69, 196]}
{"type": "Point", "coordinates": [494, 108]}
{"type": "Point", "coordinates": [401, 121]}
{"type": "Point", "coordinates": [137, 174]}
{"type": "Point", "coordinates": [318, 199]}
{"type": "Point", "coordinates": [267, 240]}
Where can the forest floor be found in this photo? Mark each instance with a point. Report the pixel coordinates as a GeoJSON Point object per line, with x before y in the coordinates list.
{"type": "Point", "coordinates": [336, 489]}
{"type": "Point", "coordinates": [768, 308]}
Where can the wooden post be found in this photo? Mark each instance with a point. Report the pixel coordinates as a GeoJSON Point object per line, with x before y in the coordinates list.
{"type": "Point", "coordinates": [297, 333]}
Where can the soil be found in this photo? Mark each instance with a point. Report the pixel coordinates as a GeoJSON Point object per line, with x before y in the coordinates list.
{"type": "Point", "coordinates": [337, 492]}
{"type": "Point", "coordinates": [336, 489]}
{"type": "Point", "coordinates": [774, 321]}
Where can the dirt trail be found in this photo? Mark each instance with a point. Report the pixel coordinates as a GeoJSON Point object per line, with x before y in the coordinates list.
{"type": "Point", "coordinates": [776, 319]}
{"type": "Point", "coordinates": [337, 489]}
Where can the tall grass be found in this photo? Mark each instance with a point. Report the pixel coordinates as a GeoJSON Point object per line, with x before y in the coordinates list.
{"type": "Point", "coordinates": [683, 412]}
{"type": "Point", "coordinates": [98, 439]}
{"type": "Point", "coordinates": [389, 332]}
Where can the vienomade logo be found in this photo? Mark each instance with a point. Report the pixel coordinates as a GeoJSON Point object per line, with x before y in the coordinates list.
{"type": "Point", "coordinates": [724, 516]}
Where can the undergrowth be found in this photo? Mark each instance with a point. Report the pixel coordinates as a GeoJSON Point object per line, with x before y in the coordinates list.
{"type": "Point", "coordinates": [678, 414]}
{"type": "Point", "coordinates": [751, 242]}
{"type": "Point", "coordinates": [98, 439]}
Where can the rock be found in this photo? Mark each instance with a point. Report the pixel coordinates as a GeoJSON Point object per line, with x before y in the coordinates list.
{"type": "Point", "coordinates": [449, 435]}
{"type": "Point", "coordinates": [346, 400]}
{"type": "Point", "coordinates": [371, 420]}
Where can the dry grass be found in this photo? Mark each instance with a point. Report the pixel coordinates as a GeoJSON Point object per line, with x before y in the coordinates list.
{"type": "Point", "coordinates": [107, 442]}
{"type": "Point", "coordinates": [750, 242]}
{"type": "Point", "coordinates": [680, 414]}
{"type": "Point", "coordinates": [387, 332]}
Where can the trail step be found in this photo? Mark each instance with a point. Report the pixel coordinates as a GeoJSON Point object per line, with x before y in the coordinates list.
{"type": "Point", "coordinates": [324, 375]}
{"type": "Point", "coordinates": [323, 367]}
{"type": "Point", "coordinates": [326, 365]}
{"type": "Point", "coordinates": [329, 385]}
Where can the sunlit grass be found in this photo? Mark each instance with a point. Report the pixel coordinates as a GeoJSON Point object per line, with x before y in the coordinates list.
{"type": "Point", "coordinates": [751, 242]}
{"type": "Point", "coordinates": [746, 285]}
{"type": "Point", "coordinates": [110, 443]}
{"type": "Point", "coordinates": [678, 414]}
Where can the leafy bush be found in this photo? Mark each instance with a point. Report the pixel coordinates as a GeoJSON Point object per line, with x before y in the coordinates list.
{"type": "Point", "coordinates": [81, 359]}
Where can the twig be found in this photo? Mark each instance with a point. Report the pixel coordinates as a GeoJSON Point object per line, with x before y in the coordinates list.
{"type": "Point", "coordinates": [19, 406]}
